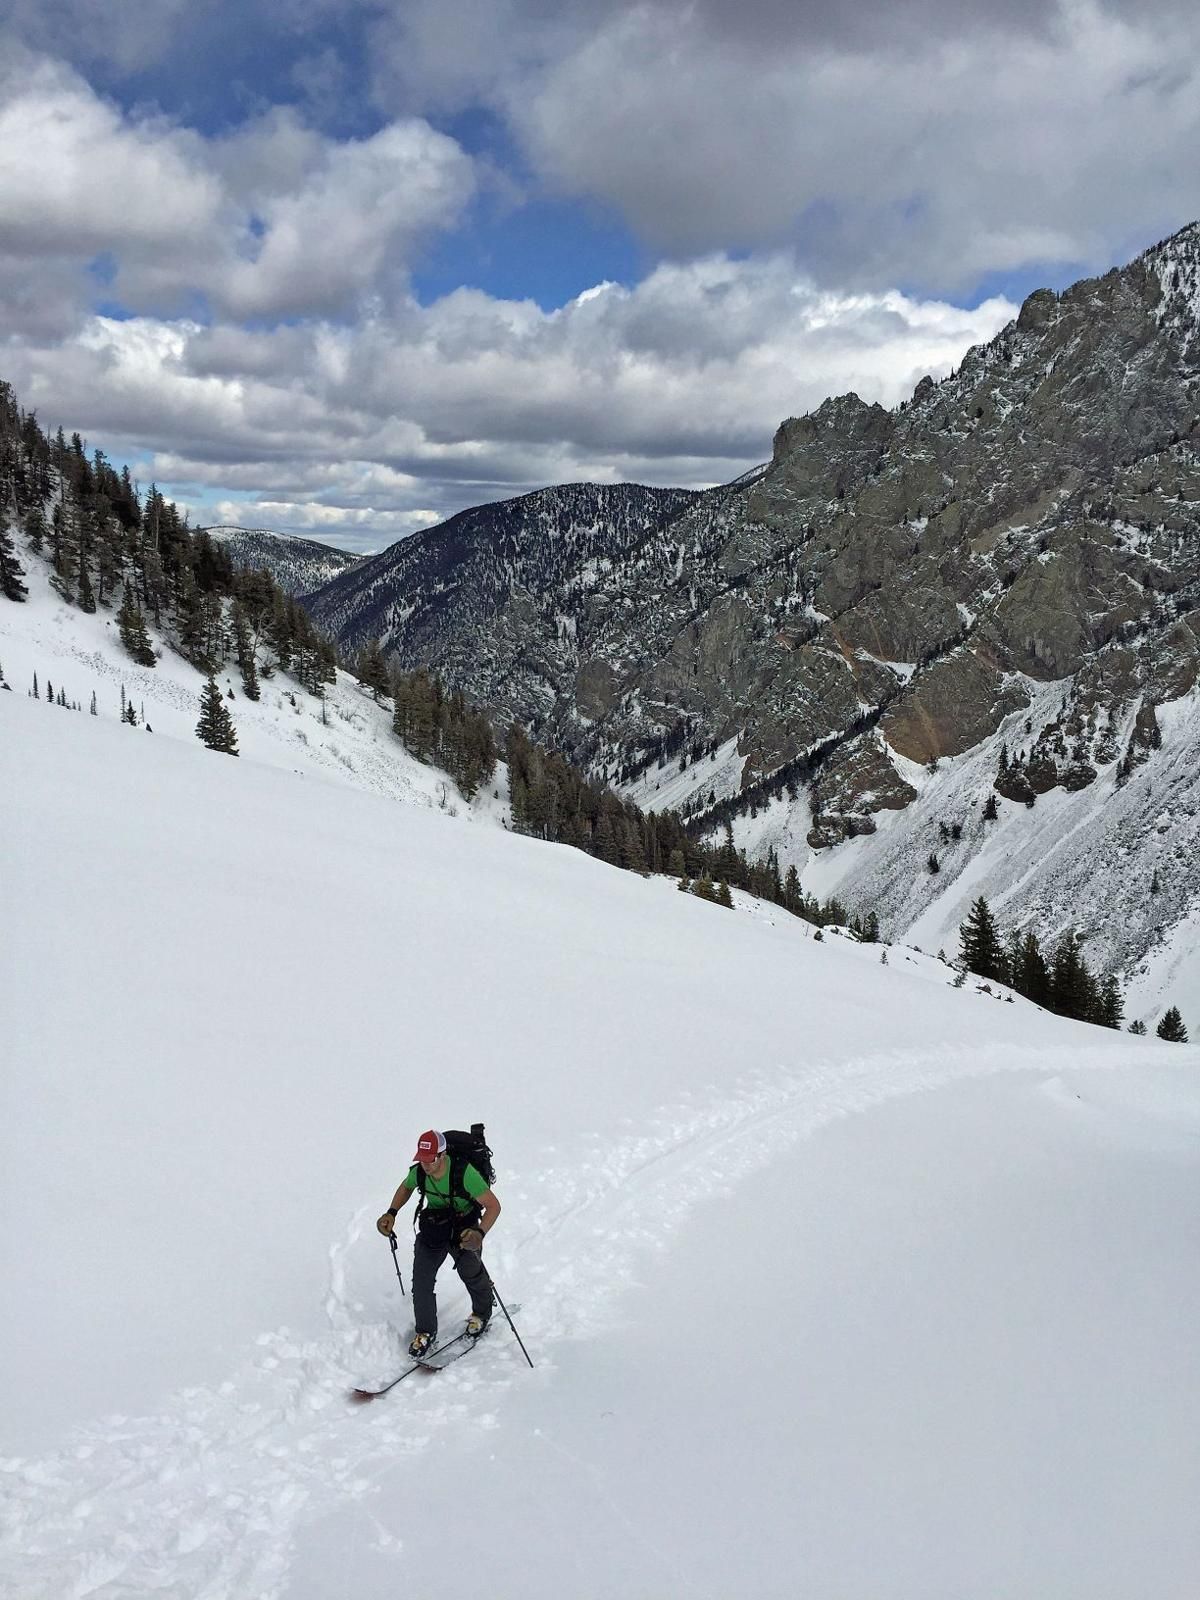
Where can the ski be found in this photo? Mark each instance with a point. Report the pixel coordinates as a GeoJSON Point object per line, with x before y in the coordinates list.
{"type": "Point", "coordinates": [429, 1365]}
{"type": "Point", "coordinates": [440, 1366]}
{"type": "Point", "coordinates": [363, 1395]}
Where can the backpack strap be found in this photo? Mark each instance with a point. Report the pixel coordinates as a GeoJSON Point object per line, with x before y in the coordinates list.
{"type": "Point", "coordinates": [420, 1195]}
{"type": "Point", "coordinates": [457, 1187]}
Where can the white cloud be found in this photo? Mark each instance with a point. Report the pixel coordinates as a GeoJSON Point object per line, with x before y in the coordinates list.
{"type": "Point", "coordinates": [680, 379]}
{"type": "Point", "coordinates": [273, 221]}
{"type": "Point", "coordinates": [277, 357]}
{"type": "Point", "coordinates": [967, 154]}
{"type": "Point", "coordinates": [327, 238]}
{"type": "Point", "coordinates": [76, 177]}
{"type": "Point", "coordinates": [933, 141]}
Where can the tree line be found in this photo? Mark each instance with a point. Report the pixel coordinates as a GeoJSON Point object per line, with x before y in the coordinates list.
{"type": "Point", "coordinates": [553, 800]}
{"type": "Point", "coordinates": [106, 542]}
{"type": "Point", "coordinates": [1061, 982]}
{"type": "Point", "coordinates": [435, 725]}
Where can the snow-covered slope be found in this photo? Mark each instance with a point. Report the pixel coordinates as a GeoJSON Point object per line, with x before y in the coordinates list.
{"type": "Point", "coordinates": [1111, 861]}
{"type": "Point", "coordinates": [349, 741]}
{"type": "Point", "coordinates": [839, 1281]}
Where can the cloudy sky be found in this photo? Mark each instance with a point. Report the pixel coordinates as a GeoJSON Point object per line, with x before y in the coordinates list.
{"type": "Point", "coordinates": [343, 267]}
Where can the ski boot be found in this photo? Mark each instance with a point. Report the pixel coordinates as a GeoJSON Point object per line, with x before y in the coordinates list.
{"type": "Point", "coordinates": [475, 1326]}
{"type": "Point", "coordinates": [420, 1343]}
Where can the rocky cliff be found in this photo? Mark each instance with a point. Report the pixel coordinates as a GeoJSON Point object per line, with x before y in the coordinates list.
{"type": "Point", "coordinates": [1002, 574]}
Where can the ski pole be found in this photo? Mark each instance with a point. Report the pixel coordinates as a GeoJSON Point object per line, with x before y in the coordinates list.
{"type": "Point", "coordinates": [508, 1319]}
{"type": "Point", "coordinates": [396, 1259]}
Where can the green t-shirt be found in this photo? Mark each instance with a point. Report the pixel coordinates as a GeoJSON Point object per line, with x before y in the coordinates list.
{"type": "Point", "coordinates": [437, 1190]}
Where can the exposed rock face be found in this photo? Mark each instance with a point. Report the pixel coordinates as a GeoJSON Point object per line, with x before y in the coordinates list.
{"type": "Point", "coordinates": [859, 779]}
{"type": "Point", "coordinates": [892, 584]}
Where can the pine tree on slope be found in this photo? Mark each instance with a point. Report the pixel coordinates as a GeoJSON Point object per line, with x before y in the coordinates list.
{"type": "Point", "coordinates": [215, 729]}
{"type": "Point", "coordinates": [979, 942]}
{"type": "Point", "coordinates": [11, 570]}
{"type": "Point", "coordinates": [1112, 1008]}
{"type": "Point", "coordinates": [1072, 987]}
{"type": "Point", "coordinates": [1171, 1027]}
{"type": "Point", "coordinates": [132, 626]}
{"type": "Point", "coordinates": [372, 670]}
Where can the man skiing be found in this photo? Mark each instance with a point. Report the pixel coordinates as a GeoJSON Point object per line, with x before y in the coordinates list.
{"type": "Point", "coordinates": [459, 1208]}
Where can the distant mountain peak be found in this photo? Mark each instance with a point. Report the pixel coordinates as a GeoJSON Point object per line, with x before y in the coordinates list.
{"type": "Point", "coordinates": [1010, 559]}
{"type": "Point", "coordinates": [298, 565]}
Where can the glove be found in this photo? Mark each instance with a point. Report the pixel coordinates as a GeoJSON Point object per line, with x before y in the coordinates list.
{"type": "Point", "coordinates": [386, 1223]}
{"type": "Point", "coordinates": [470, 1239]}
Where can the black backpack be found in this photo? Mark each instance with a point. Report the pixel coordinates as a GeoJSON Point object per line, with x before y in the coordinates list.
{"type": "Point", "coordinates": [464, 1149]}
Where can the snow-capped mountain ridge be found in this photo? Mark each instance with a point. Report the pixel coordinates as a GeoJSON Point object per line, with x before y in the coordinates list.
{"type": "Point", "coordinates": [896, 590]}
{"type": "Point", "coordinates": [297, 565]}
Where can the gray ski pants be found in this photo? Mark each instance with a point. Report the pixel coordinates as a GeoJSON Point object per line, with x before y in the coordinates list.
{"type": "Point", "coordinates": [430, 1250]}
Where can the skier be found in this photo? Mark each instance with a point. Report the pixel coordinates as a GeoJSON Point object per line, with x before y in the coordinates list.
{"type": "Point", "coordinates": [459, 1209]}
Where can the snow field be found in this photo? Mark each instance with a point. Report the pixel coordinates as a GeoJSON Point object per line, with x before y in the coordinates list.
{"type": "Point", "coordinates": [354, 746]}
{"type": "Point", "coordinates": [241, 996]}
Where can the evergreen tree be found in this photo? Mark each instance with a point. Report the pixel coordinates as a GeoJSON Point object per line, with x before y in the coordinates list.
{"type": "Point", "coordinates": [244, 646]}
{"type": "Point", "coordinates": [606, 841]}
{"type": "Point", "coordinates": [11, 570]}
{"type": "Point", "coordinates": [1111, 1012]}
{"type": "Point", "coordinates": [1072, 987]}
{"type": "Point", "coordinates": [132, 627]}
{"type": "Point", "coordinates": [793, 897]}
{"type": "Point", "coordinates": [1171, 1027]}
{"type": "Point", "coordinates": [1028, 973]}
{"type": "Point", "coordinates": [633, 857]}
{"type": "Point", "coordinates": [215, 728]}
{"type": "Point", "coordinates": [980, 950]}
{"type": "Point", "coordinates": [990, 812]}
{"type": "Point", "coordinates": [35, 528]}
{"type": "Point", "coordinates": [372, 670]}
{"type": "Point", "coordinates": [250, 681]}
{"type": "Point", "coordinates": [1137, 1026]}
{"type": "Point", "coordinates": [724, 897]}
{"type": "Point", "coordinates": [85, 597]}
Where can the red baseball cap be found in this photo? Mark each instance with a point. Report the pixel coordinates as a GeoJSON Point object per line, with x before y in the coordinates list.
{"type": "Point", "coordinates": [430, 1144]}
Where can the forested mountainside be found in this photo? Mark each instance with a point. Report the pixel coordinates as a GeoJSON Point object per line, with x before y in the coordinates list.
{"type": "Point", "coordinates": [107, 593]}
{"type": "Point", "coordinates": [105, 542]}
{"type": "Point", "coordinates": [1008, 559]}
{"type": "Point", "coordinates": [297, 565]}
{"type": "Point", "coordinates": [495, 598]}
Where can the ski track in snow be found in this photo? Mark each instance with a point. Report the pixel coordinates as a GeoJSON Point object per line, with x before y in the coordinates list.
{"type": "Point", "coordinates": [224, 1476]}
